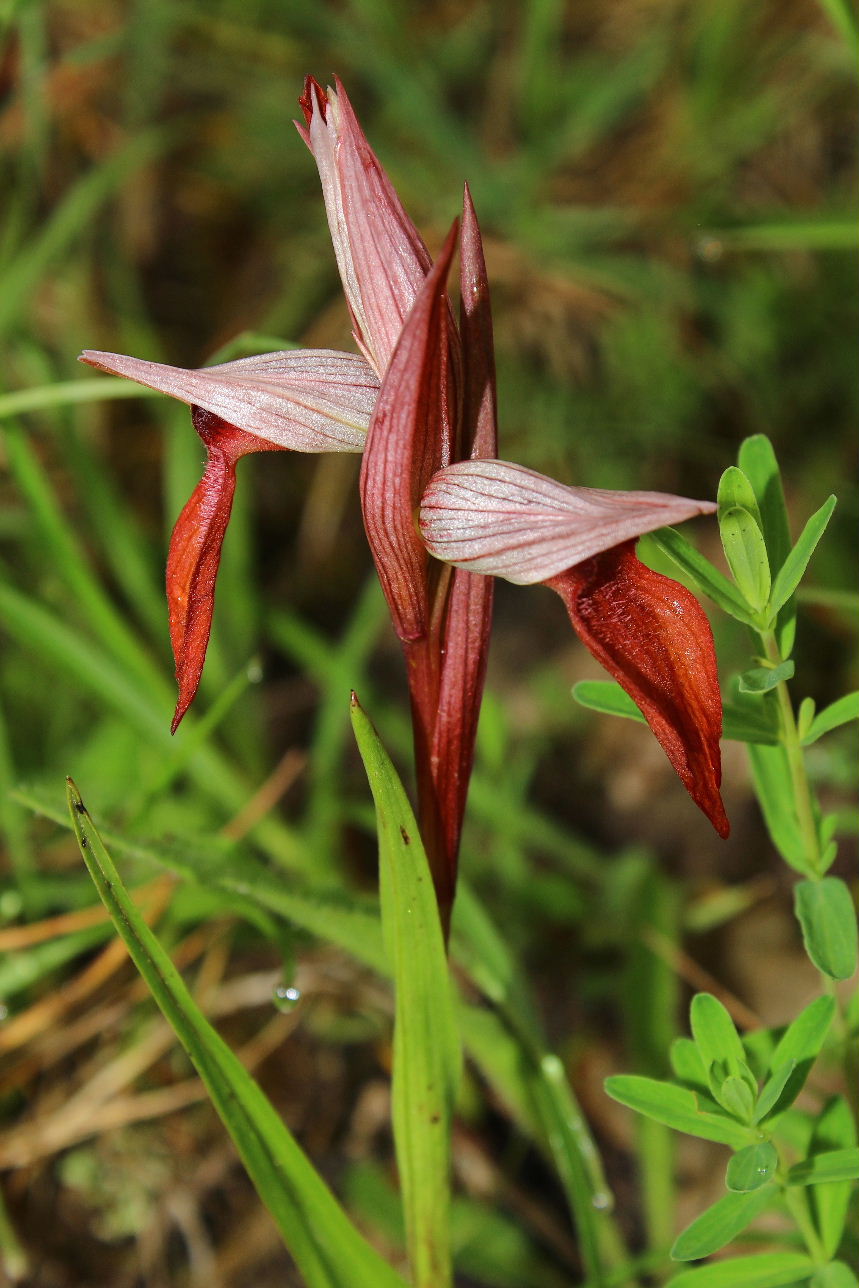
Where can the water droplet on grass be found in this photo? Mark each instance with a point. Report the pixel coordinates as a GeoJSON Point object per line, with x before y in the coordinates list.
{"type": "Point", "coordinates": [286, 997]}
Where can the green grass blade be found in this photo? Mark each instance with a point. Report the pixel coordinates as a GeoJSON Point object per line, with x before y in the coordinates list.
{"type": "Point", "coordinates": [63, 550]}
{"type": "Point", "coordinates": [326, 1246]}
{"type": "Point", "coordinates": [427, 1056]}
{"type": "Point", "coordinates": [533, 1076]}
{"type": "Point", "coordinates": [826, 233]}
{"type": "Point", "coordinates": [67, 393]}
{"type": "Point", "coordinates": [843, 17]}
{"type": "Point", "coordinates": [86, 664]}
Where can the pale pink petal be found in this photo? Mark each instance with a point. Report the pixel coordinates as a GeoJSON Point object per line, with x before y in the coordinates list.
{"type": "Point", "coordinates": [495, 517]}
{"type": "Point", "coordinates": [380, 254]}
{"type": "Point", "coordinates": [303, 400]}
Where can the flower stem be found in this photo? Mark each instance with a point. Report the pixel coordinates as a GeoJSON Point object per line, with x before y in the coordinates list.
{"type": "Point", "coordinates": [802, 798]}
{"type": "Point", "coordinates": [797, 1205]}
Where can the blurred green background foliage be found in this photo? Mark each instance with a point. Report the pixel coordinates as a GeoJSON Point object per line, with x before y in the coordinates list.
{"type": "Point", "coordinates": [667, 195]}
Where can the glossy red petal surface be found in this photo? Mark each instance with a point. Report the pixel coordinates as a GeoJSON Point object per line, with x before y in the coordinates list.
{"type": "Point", "coordinates": [652, 635]}
{"type": "Point", "coordinates": [195, 550]}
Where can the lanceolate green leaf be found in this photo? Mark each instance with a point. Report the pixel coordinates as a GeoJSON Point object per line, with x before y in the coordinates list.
{"type": "Point", "coordinates": [677, 1107]}
{"type": "Point", "coordinates": [714, 1033]}
{"type": "Point", "coordinates": [758, 462]}
{"type": "Point", "coordinates": [736, 490]}
{"type": "Point", "coordinates": [427, 1056]}
{"type": "Point", "coordinates": [804, 1036]}
{"type": "Point", "coordinates": [830, 1203]}
{"type": "Point", "coordinates": [836, 1275]}
{"type": "Point", "coordinates": [828, 919]}
{"type": "Point", "coordinates": [773, 1094]}
{"type": "Point", "coordinates": [837, 713]}
{"type": "Point", "coordinates": [746, 554]}
{"type": "Point", "coordinates": [687, 1065]}
{"type": "Point", "coordinates": [821, 1169]}
{"type": "Point", "coordinates": [704, 575]}
{"type": "Point", "coordinates": [770, 1270]}
{"type": "Point", "coordinates": [328, 1249]}
{"type": "Point", "coordinates": [772, 783]}
{"type": "Point", "coordinates": [797, 561]}
{"type": "Point", "coordinates": [721, 1223]}
{"type": "Point", "coordinates": [739, 724]}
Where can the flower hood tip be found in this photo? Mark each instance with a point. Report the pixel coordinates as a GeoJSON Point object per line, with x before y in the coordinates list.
{"type": "Point", "coordinates": [381, 256]}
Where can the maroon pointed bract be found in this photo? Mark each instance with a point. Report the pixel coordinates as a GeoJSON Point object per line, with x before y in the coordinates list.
{"type": "Point", "coordinates": [436, 403]}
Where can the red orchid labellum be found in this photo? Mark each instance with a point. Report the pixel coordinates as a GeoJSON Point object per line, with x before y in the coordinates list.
{"type": "Point", "coordinates": [648, 631]}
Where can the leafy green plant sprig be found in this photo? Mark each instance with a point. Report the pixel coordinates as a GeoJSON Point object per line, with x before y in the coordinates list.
{"type": "Point", "coordinates": [743, 1093]}
{"type": "Point", "coordinates": [767, 571]}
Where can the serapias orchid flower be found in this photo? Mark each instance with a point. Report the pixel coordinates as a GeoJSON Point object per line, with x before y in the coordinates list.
{"type": "Point", "coordinates": [649, 632]}
{"type": "Point", "coordinates": [301, 401]}
{"type": "Point", "coordinates": [318, 401]}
